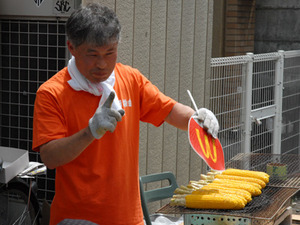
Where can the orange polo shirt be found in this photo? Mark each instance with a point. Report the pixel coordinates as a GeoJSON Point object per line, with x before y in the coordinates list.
{"type": "Point", "coordinates": [102, 184]}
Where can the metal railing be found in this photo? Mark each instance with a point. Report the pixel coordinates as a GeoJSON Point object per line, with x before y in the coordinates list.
{"type": "Point", "coordinates": [256, 98]}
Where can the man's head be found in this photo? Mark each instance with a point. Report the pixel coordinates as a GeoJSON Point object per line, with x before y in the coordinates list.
{"type": "Point", "coordinates": [93, 24]}
{"type": "Point", "coordinates": [93, 35]}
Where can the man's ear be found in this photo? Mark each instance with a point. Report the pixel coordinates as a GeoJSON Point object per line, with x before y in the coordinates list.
{"type": "Point", "coordinates": [71, 47]}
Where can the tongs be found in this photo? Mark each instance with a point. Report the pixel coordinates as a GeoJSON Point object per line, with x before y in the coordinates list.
{"type": "Point", "coordinates": [34, 168]}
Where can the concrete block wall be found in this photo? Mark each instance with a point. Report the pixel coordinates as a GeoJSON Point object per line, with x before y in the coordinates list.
{"type": "Point", "coordinates": [169, 41]}
{"type": "Point", "coordinates": [277, 25]}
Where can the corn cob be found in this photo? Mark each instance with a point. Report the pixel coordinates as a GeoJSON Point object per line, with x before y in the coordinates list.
{"type": "Point", "coordinates": [248, 179]}
{"type": "Point", "coordinates": [241, 192]}
{"type": "Point", "coordinates": [185, 188]}
{"type": "Point", "coordinates": [212, 201]}
{"type": "Point", "coordinates": [254, 191]}
{"type": "Point", "coordinates": [214, 173]}
{"type": "Point", "coordinates": [247, 173]}
{"type": "Point", "coordinates": [238, 182]}
{"type": "Point", "coordinates": [218, 191]}
{"type": "Point", "coordinates": [196, 184]}
{"type": "Point", "coordinates": [183, 191]}
{"type": "Point", "coordinates": [199, 182]}
{"type": "Point", "coordinates": [179, 196]}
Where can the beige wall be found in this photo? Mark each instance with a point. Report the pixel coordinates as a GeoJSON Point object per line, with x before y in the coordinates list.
{"type": "Point", "coordinates": [169, 41]}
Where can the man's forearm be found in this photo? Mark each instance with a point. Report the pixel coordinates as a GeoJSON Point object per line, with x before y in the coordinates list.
{"type": "Point", "coordinates": [61, 151]}
{"type": "Point", "coordinates": [179, 116]}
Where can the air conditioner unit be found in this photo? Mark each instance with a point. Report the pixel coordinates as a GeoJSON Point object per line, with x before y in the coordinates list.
{"type": "Point", "coordinates": [41, 8]}
{"type": "Point", "coordinates": [32, 49]}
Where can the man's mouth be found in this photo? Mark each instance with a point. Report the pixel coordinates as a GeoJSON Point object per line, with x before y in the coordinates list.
{"type": "Point", "coordinates": [99, 73]}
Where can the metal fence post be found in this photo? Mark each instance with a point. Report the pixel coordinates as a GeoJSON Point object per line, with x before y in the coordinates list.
{"type": "Point", "coordinates": [248, 104]}
{"type": "Point", "coordinates": [279, 68]}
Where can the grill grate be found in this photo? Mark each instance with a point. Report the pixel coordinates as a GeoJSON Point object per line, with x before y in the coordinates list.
{"type": "Point", "coordinates": [274, 196]}
{"type": "Point", "coordinates": [263, 207]}
{"type": "Point", "coordinates": [259, 162]}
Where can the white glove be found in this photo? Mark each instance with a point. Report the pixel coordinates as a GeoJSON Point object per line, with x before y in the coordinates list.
{"type": "Point", "coordinates": [209, 121]}
{"type": "Point", "coordinates": [105, 118]}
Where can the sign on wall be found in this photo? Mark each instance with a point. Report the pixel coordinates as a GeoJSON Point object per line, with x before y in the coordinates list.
{"type": "Point", "coordinates": [42, 8]}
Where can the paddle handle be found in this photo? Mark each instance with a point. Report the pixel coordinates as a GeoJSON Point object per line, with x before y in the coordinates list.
{"type": "Point", "coordinates": [193, 101]}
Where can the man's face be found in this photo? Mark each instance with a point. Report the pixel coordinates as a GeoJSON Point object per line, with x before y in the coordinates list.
{"type": "Point", "coordinates": [93, 62]}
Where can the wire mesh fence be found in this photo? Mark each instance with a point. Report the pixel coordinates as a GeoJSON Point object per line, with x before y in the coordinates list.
{"type": "Point", "coordinates": [290, 141]}
{"type": "Point", "coordinates": [263, 96]}
{"type": "Point", "coordinates": [257, 101]}
{"type": "Point", "coordinates": [226, 97]}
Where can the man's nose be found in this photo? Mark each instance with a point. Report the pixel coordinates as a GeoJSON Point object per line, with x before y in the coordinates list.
{"type": "Point", "coordinates": [101, 63]}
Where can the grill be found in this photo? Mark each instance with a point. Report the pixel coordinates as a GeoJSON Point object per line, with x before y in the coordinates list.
{"type": "Point", "coordinates": [259, 162]}
{"type": "Point", "coordinates": [263, 209]}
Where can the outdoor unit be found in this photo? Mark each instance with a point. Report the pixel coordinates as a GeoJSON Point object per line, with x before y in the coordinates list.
{"type": "Point", "coordinates": [32, 49]}
{"type": "Point", "coordinates": [38, 8]}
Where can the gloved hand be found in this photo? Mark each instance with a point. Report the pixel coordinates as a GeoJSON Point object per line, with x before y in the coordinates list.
{"type": "Point", "coordinates": [105, 118]}
{"type": "Point", "coordinates": [209, 121]}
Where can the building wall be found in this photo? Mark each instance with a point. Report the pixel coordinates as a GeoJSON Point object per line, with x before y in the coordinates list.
{"type": "Point", "coordinates": [233, 27]}
{"type": "Point", "coordinates": [258, 26]}
{"type": "Point", "coordinates": [277, 25]}
{"type": "Point", "coordinates": [218, 28]}
{"type": "Point", "coordinates": [170, 43]}
{"type": "Point", "coordinates": [239, 27]}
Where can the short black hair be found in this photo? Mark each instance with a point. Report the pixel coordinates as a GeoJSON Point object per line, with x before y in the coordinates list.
{"type": "Point", "coordinates": [93, 24]}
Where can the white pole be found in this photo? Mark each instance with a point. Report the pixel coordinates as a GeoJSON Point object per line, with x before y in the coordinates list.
{"type": "Point", "coordinates": [278, 103]}
{"type": "Point", "coordinates": [248, 104]}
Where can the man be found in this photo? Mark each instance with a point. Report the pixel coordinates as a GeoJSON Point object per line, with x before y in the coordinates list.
{"type": "Point", "coordinates": [97, 171]}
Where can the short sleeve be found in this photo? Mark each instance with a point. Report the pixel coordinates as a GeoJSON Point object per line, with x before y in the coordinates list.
{"type": "Point", "coordinates": [48, 120]}
{"type": "Point", "coordinates": [155, 106]}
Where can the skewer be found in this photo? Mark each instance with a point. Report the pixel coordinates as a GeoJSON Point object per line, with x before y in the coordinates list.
{"type": "Point", "coordinates": [193, 101]}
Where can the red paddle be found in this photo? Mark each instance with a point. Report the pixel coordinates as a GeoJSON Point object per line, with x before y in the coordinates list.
{"type": "Point", "coordinates": [207, 147]}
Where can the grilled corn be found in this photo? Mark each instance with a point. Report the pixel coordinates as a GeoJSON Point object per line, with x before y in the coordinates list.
{"type": "Point", "coordinates": [248, 179]}
{"type": "Point", "coordinates": [220, 188]}
{"type": "Point", "coordinates": [254, 191]}
{"type": "Point", "coordinates": [211, 201]}
{"type": "Point", "coordinates": [238, 182]}
{"type": "Point", "coordinates": [219, 191]}
{"type": "Point", "coordinates": [247, 173]}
